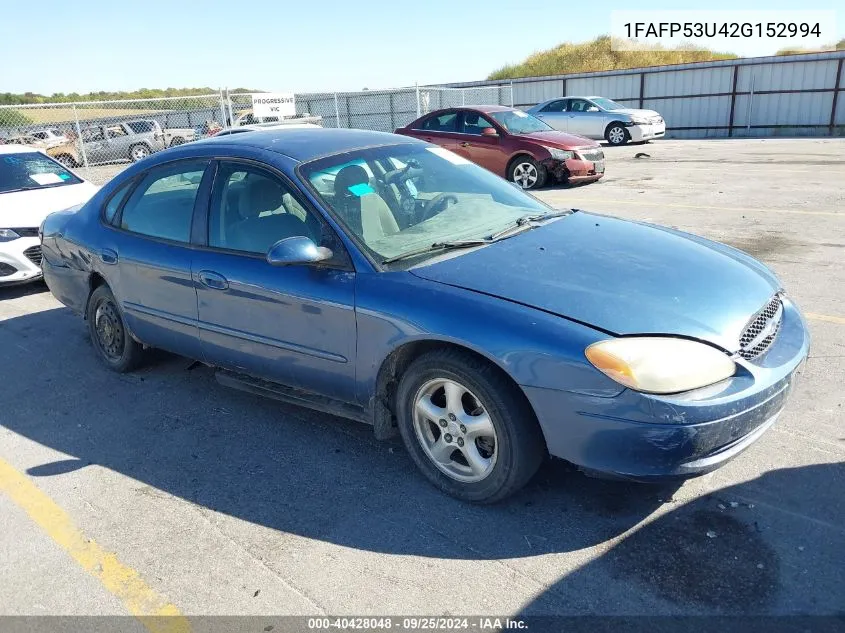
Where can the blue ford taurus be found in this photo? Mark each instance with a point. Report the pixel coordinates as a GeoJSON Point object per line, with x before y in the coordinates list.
{"type": "Point", "coordinates": [388, 280]}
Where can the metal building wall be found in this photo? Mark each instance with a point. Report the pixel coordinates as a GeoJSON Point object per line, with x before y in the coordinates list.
{"type": "Point", "coordinates": [763, 96]}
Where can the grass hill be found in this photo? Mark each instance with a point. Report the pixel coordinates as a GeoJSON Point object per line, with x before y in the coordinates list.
{"type": "Point", "coordinates": [597, 55]}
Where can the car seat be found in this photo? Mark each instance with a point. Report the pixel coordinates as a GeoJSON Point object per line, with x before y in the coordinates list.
{"type": "Point", "coordinates": [363, 210]}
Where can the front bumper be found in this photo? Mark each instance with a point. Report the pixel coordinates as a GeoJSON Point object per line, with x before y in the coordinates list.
{"type": "Point", "coordinates": [647, 131]}
{"type": "Point", "coordinates": [575, 170]}
{"type": "Point", "coordinates": [644, 437]}
{"type": "Point", "coordinates": [20, 261]}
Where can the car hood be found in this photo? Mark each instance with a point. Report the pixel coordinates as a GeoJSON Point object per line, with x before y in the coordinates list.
{"type": "Point", "coordinates": [647, 114]}
{"type": "Point", "coordinates": [559, 140]}
{"type": "Point", "coordinates": [619, 276]}
{"type": "Point", "coordinates": [27, 209]}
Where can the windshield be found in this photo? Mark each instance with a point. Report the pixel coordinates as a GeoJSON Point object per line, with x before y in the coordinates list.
{"type": "Point", "coordinates": [402, 198]}
{"type": "Point", "coordinates": [519, 122]}
{"type": "Point", "coordinates": [607, 104]}
{"type": "Point", "coordinates": [32, 170]}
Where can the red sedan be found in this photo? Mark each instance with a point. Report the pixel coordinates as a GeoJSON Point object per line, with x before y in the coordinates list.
{"type": "Point", "coordinates": [511, 144]}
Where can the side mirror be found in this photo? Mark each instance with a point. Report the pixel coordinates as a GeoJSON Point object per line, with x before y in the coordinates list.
{"type": "Point", "coordinates": [297, 250]}
{"type": "Point", "coordinates": [489, 131]}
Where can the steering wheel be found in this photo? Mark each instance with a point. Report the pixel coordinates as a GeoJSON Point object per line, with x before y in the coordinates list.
{"type": "Point", "coordinates": [432, 207]}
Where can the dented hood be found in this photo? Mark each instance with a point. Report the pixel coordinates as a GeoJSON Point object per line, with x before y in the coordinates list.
{"type": "Point", "coordinates": [619, 276]}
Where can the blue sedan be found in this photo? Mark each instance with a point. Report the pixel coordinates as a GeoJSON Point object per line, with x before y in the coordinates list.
{"type": "Point", "coordinates": [391, 281]}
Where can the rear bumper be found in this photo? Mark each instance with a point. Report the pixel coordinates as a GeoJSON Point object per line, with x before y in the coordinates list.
{"type": "Point", "coordinates": [20, 261]}
{"type": "Point", "coordinates": [648, 437]}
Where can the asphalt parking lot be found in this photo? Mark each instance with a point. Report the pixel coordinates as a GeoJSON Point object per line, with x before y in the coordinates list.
{"type": "Point", "coordinates": [161, 492]}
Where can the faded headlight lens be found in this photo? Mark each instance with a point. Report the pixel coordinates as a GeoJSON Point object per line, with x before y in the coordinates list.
{"type": "Point", "coordinates": [659, 364]}
{"type": "Point", "coordinates": [639, 121]}
{"type": "Point", "coordinates": [559, 154]}
{"type": "Point", "coordinates": [7, 235]}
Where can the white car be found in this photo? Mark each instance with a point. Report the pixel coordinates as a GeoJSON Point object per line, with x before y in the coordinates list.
{"type": "Point", "coordinates": [32, 186]}
{"type": "Point", "coordinates": [49, 138]}
{"type": "Point", "coordinates": [600, 118]}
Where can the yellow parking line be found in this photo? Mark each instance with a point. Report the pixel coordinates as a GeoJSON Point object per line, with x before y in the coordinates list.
{"type": "Point", "coordinates": [151, 609]}
{"type": "Point", "coordinates": [600, 203]}
{"type": "Point", "coordinates": [825, 317]}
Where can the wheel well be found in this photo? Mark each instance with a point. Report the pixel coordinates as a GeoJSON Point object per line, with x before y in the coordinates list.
{"type": "Point", "coordinates": [610, 125]}
{"type": "Point", "coordinates": [94, 281]}
{"type": "Point", "coordinates": [514, 159]}
{"type": "Point", "coordinates": [391, 370]}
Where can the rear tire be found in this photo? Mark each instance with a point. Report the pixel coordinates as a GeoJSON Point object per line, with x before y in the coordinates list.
{"type": "Point", "coordinates": [485, 443]}
{"type": "Point", "coordinates": [109, 334]}
{"type": "Point", "coordinates": [66, 161]}
{"type": "Point", "coordinates": [527, 173]}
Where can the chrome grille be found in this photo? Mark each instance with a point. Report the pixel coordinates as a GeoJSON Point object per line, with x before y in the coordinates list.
{"type": "Point", "coordinates": [762, 330]}
{"type": "Point", "coordinates": [592, 155]}
{"type": "Point", "coordinates": [33, 254]}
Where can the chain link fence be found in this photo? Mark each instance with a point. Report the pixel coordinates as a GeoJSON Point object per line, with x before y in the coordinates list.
{"type": "Point", "coordinates": [102, 137]}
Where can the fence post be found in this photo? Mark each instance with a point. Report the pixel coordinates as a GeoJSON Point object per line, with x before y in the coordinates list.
{"type": "Point", "coordinates": [231, 112]}
{"type": "Point", "coordinates": [417, 88]}
{"type": "Point", "coordinates": [81, 143]}
{"type": "Point", "coordinates": [511, 92]}
{"type": "Point", "coordinates": [750, 107]}
{"type": "Point", "coordinates": [336, 112]}
{"type": "Point", "coordinates": [222, 108]}
{"type": "Point", "coordinates": [463, 96]}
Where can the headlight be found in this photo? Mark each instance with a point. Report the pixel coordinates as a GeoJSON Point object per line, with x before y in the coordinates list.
{"type": "Point", "coordinates": [7, 235]}
{"type": "Point", "coordinates": [559, 154]}
{"type": "Point", "coordinates": [638, 121]}
{"type": "Point", "coordinates": [660, 365]}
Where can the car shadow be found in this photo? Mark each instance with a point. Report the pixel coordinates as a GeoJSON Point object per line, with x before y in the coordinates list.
{"type": "Point", "coordinates": [23, 290]}
{"type": "Point", "coordinates": [772, 545]}
{"type": "Point", "coordinates": [172, 427]}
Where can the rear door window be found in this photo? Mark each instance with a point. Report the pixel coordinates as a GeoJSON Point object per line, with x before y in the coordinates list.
{"type": "Point", "coordinates": [447, 122]}
{"type": "Point", "coordinates": [162, 205]}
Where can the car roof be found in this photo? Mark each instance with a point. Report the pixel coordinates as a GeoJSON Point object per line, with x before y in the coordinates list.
{"type": "Point", "coordinates": [485, 108]}
{"type": "Point", "coordinates": [304, 144]}
{"type": "Point", "coordinates": [16, 149]}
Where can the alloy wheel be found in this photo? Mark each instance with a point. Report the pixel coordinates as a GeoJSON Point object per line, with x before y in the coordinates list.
{"type": "Point", "coordinates": [616, 135]}
{"type": "Point", "coordinates": [139, 152]}
{"type": "Point", "coordinates": [525, 175]}
{"type": "Point", "coordinates": [455, 430]}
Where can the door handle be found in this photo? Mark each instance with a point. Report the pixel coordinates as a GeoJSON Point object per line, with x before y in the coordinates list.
{"type": "Point", "coordinates": [213, 280]}
{"type": "Point", "coordinates": [464, 144]}
{"type": "Point", "coordinates": [108, 256]}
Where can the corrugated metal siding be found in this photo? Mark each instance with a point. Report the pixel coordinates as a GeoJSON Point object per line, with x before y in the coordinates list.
{"type": "Point", "coordinates": [537, 91]}
{"type": "Point", "coordinates": [711, 115]}
{"type": "Point", "coordinates": [794, 76]}
{"type": "Point", "coordinates": [692, 111]}
{"type": "Point", "coordinates": [785, 109]}
{"type": "Point", "coordinates": [618, 87]}
{"type": "Point", "coordinates": [688, 82]}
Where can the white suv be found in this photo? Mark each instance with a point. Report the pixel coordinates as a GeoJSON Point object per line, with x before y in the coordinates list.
{"type": "Point", "coordinates": [32, 186]}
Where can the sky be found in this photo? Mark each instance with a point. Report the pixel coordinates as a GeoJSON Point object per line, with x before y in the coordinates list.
{"type": "Point", "coordinates": [299, 46]}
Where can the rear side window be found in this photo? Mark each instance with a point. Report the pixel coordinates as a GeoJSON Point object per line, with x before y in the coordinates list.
{"type": "Point", "coordinates": [141, 127]}
{"type": "Point", "coordinates": [442, 123]}
{"type": "Point", "coordinates": [162, 206]}
{"type": "Point", "coordinates": [115, 201]}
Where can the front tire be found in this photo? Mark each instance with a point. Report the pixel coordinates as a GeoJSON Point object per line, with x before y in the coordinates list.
{"type": "Point", "coordinates": [617, 134]}
{"type": "Point", "coordinates": [109, 334]}
{"type": "Point", "coordinates": [177, 141]}
{"type": "Point", "coordinates": [66, 161]}
{"type": "Point", "coordinates": [468, 429]}
{"type": "Point", "coordinates": [527, 173]}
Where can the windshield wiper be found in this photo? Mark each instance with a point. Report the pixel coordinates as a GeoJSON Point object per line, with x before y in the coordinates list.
{"type": "Point", "coordinates": [21, 189]}
{"type": "Point", "coordinates": [527, 222]}
{"type": "Point", "coordinates": [437, 246]}
{"type": "Point", "coordinates": [523, 223]}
